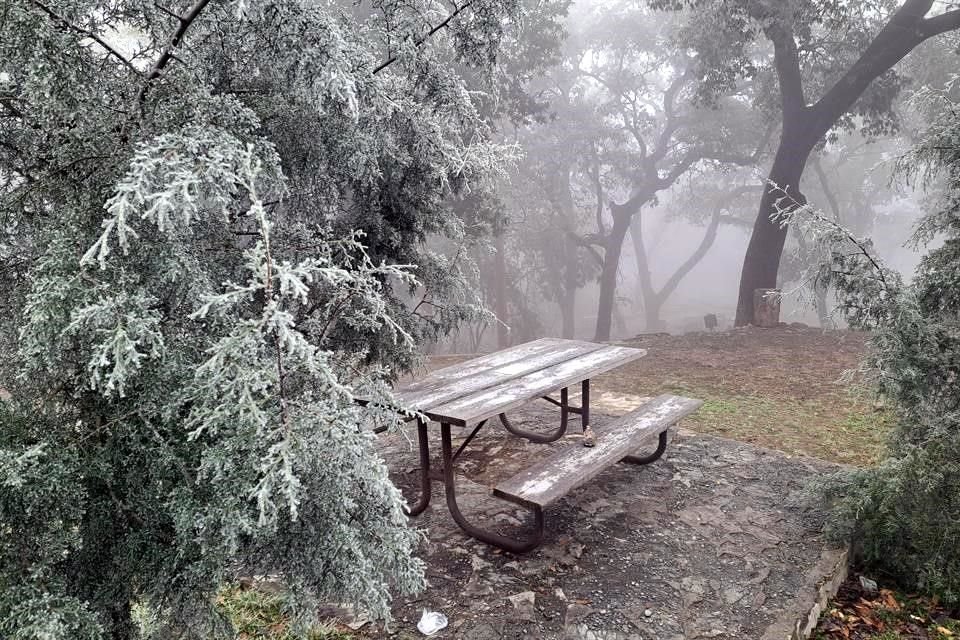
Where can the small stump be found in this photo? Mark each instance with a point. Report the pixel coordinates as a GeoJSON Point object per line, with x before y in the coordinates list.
{"type": "Point", "coordinates": [766, 307]}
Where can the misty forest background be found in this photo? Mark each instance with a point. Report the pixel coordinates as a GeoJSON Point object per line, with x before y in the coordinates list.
{"type": "Point", "coordinates": [222, 222]}
{"type": "Point", "coordinates": [636, 189]}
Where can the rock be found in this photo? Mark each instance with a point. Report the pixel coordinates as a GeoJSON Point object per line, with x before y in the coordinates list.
{"type": "Point", "coordinates": [483, 631]}
{"type": "Point", "coordinates": [759, 599]}
{"type": "Point", "coordinates": [523, 603]}
{"type": "Point", "coordinates": [359, 623]}
{"type": "Point", "coordinates": [732, 595]}
{"type": "Point", "coordinates": [868, 585]}
{"type": "Point", "coordinates": [647, 613]}
{"type": "Point", "coordinates": [476, 587]}
{"type": "Point", "coordinates": [523, 598]}
{"type": "Point", "coordinates": [575, 611]}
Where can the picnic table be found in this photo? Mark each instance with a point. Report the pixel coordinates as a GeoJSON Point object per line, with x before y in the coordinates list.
{"type": "Point", "coordinates": [471, 393]}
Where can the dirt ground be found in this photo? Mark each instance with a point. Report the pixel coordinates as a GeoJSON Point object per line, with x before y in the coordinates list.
{"type": "Point", "coordinates": [779, 388]}
{"type": "Point", "coordinates": [711, 541]}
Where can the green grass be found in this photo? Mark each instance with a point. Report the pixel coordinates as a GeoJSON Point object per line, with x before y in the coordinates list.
{"type": "Point", "coordinates": [258, 615]}
{"type": "Point", "coordinates": [847, 428]}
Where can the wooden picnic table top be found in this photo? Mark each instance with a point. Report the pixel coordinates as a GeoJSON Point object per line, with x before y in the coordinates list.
{"type": "Point", "coordinates": [481, 388]}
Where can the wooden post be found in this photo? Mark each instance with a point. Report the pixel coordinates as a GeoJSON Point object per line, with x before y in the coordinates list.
{"type": "Point", "coordinates": [766, 307]}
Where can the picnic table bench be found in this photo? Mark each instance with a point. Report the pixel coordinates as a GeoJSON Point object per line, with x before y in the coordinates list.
{"type": "Point", "coordinates": [471, 393]}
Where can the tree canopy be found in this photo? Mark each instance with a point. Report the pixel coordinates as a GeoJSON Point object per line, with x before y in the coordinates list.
{"type": "Point", "coordinates": [833, 64]}
{"type": "Point", "coordinates": [210, 216]}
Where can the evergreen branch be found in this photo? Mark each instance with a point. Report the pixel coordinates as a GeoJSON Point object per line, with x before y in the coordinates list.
{"type": "Point", "coordinates": [17, 113]}
{"type": "Point", "coordinates": [268, 296]}
{"type": "Point", "coordinates": [86, 33]}
{"type": "Point", "coordinates": [389, 61]}
{"type": "Point", "coordinates": [861, 248]}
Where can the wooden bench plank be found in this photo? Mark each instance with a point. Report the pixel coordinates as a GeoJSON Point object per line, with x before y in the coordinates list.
{"type": "Point", "coordinates": [424, 399]}
{"type": "Point", "coordinates": [546, 482]}
{"type": "Point", "coordinates": [516, 392]}
{"type": "Point", "coordinates": [440, 377]}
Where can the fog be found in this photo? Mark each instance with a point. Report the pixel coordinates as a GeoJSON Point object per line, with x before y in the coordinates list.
{"type": "Point", "coordinates": [627, 136]}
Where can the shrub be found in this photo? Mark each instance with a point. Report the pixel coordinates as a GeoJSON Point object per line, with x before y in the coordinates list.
{"type": "Point", "coordinates": [903, 515]}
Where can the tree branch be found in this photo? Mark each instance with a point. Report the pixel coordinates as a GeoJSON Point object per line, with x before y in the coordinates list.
{"type": "Point", "coordinates": [739, 159]}
{"type": "Point", "coordinates": [942, 23]}
{"type": "Point", "coordinates": [598, 187]}
{"type": "Point", "coordinates": [786, 60]}
{"type": "Point", "coordinates": [86, 33]}
{"type": "Point", "coordinates": [589, 243]}
{"type": "Point", "coordinates": [681, 167]}
{"type": "Point", "coordinates": [389, 61]}
{"type": "Point", "coordinates": [906, 29]}
{"type": "Point", "coordinates": [670, 121]}
{"type": "Point", "coordinates": [705, 243]}
{"type": "Point", "coordinates": [168, 51]}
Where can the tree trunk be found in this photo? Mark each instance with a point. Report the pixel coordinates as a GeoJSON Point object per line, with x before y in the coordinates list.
{"type": "Point", "coordinates": [608, 274]}
{"type": "Point", "coordinates": [804, 125]}
{"type": "Point", "coordinates": [649, 297]}
{"type": "Point", "coordinates": [762, 260]}
{"type": "Point", "coordinates": [654, 300]}
{"type": "Point", "coordinates": [568, 302]}
{"type": "Point", "coordinates": [619, 322]}
{"type": "Point", "coordinates": [500, 293]}
{"type": "Point", "coordinates": [652, 321]}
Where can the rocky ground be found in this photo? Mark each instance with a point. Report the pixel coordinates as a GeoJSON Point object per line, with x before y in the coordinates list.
{"type": "Point", "coordinates": [708, 542]}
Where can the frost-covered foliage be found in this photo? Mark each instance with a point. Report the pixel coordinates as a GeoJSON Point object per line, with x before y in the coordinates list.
{"type": "Point", "coordinates": [904, 515]}
{"type": "Point", "coordinates": [210, 215]}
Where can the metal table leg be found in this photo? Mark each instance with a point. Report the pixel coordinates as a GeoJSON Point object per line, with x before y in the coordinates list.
{"type": "Point", "coordinates": [490, 537]}
{"type": "Point", "coordinates": [585, 405]}
{"type": "Point", "coordinates": [424, 445]}
{"type": "Point", "coordinates": [542, 438]}
{"type": "Point", "coordinates": [565, 411]}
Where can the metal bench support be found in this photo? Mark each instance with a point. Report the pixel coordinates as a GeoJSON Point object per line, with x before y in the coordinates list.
{"type": "Point", "coordinates": [424, 501]}
{"type": "Point", "coordinates": [450, 488]}
{"type": "Point", "coordinates": [565, 410]}
{"type": "Point", "coordinates": [653, 457]}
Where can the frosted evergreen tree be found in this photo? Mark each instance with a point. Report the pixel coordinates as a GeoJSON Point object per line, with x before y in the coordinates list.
{"type": "Point", "coordinates": [903, 516]}
{"type": "Point", "coordinates": [210, 214]}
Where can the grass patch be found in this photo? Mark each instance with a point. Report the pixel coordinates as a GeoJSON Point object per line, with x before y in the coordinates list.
{"type": "Point", "coordinates": [258, 615]}
{"type": "Point", "coordinates": [847, 428]}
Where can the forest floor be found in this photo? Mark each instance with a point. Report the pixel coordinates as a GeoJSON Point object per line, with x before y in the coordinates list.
{"type": "Point", "coordinates": [858, 613]}
{"type": "Point", "coordinates": [710, 542]}
{"type": "Point", "coordinates": [778, 388]}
